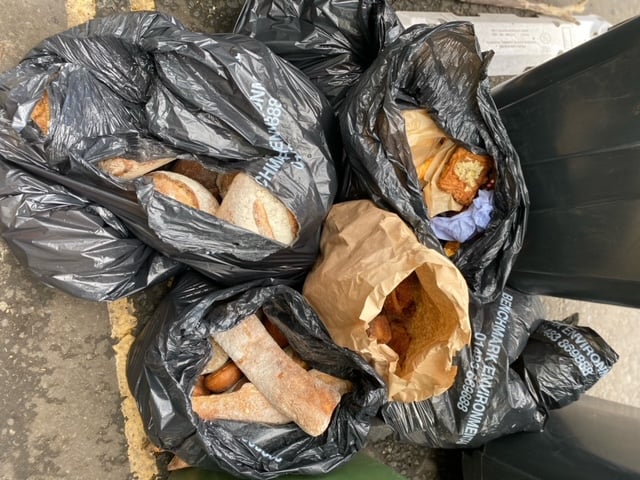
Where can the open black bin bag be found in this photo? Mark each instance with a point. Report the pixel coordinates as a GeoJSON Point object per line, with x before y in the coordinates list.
{"type": "Point", "coordinates": [170, 352]}
{"type": "Point", "coordinates": [441, 70]}
{"type": "Point", "coordinates": [141, 86]}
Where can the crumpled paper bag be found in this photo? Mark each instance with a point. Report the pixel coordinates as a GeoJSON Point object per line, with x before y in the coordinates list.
{"type": "Point", "coordinates": [365, 253]}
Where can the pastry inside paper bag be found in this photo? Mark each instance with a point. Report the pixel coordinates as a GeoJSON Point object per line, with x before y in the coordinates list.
{"type": "Point", "coordinates": [381, 293]}
{"type": "Point", "coordinates": [409, 324]}
{"type": "Point", "coordinates": [462, 173]}
{"type": "Point", "coordinates": [450, 177]}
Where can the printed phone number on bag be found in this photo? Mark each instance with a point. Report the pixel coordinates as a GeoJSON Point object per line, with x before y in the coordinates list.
{"type": "Point", "coordinates": [480, 378]}
{"type": "Point", "coordinates": [271, 110]}
{"type": "Point", "coordinates": [573, 342]}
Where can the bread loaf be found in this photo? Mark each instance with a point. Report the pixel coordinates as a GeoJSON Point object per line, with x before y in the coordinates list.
{"type": "Point", "coordinates": [251, 206]}
{"type": "Point", "coordinates": [198, 172]}
{"type": "Point", "coordinates": [127, 169]}
{"type": "Point", "coordinates": [293, 391]}
{"type": "Point", "coordinates": [218, 358]}
{"type": "Point", "coordinates": [185, 190]}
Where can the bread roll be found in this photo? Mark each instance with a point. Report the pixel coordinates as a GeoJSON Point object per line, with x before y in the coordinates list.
{"type": "Point", "coordinates": [224, 378]}
{"type": "Point", "coordinates": [413, 322]}
{"type": "Point", "coordinates": [127, 169]}
{"type": "Point", "coordinates": [380, 329]}
{"type": "Point", "coordinates": [199, 388]}
{"type": "Point", "coordinates": [223, 182]}
{"type": "Point", "coordinates": [41, 114]}
{"type": "Point", "coordinates": [185, 190]}
{"type": "Point", "coordinates": [251, 206]}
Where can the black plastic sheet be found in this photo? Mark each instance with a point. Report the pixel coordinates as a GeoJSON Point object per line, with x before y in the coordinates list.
{"type": "Point", "coordinates": [332, 41]}
{"type": "Point", "coordinates": [442, 70]}
{"type": "Point", "coordinates": [517, 368]}
{"type": "Point", "coordinates": [72, 244]}
{"type": "Point", "coordinates": [172, 349]}
{"type": "Point", "coordinates": [140, 85]}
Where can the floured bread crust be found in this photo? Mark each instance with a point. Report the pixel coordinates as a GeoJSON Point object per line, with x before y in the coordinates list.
{"type": "Point", "coordinates": [185, 190]}
{"type": "Point", "coordinates": [249, 205]}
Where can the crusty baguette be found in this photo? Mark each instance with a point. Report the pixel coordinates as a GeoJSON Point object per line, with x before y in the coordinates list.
{"type": "Point", "coordinates": [245, 405]}
{"type": "Point", "coordinates": [218, 358]}
{"type": "Point", "coordinates": [41, 114]}
{"type": "Point", "coordinates": [185, 190]}
{"type": "Point", "coordinates": [294, 392]}
{"type": "Point", "coordinates": [127, 169]}
{"type": "Point", "coordinates": [249, 405]}
{"type": "Point", "coordinates": [251, 206]}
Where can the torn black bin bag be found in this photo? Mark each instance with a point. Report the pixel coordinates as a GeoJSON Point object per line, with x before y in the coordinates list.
{"type": "Point", "coordinates": [331, 41]}
{"type": "Point", "coordinates": [517, 368]}
{"type": "Point", "coordinates": [170, 352]}
{"type": "Point", "coordinates": [72, 244]}
{"type": "Point", "coordinates": [441, 70]}
{"type": "Point", "coordinates": [141, 86]}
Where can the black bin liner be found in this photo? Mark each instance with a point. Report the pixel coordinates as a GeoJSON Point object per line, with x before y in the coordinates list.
{"type": "Point", "coordinates": [72, 244]}
{"type": "Point", "coordinates": [440, 69]}
{"type": "Point", "coordinates": [575, 124]}
{"type": "Point", "coordinates": [517, 368]}
{"type": "Point", "coordinates": [331, 41]}
{"type": "Point", "coordinates": [140, 85]}
{"type": "Point", "coordinates": [173, 347]}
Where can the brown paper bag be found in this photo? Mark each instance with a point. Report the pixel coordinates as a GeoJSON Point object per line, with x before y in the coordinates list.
{"type": "Point", "coordinates": [423, 135]}
{"type": "Point", "coordinates": [430, 150]}
{"type": "Point", "coordinates": [366, 253]}
{"type": "Point", "coordinates": [439, 201]}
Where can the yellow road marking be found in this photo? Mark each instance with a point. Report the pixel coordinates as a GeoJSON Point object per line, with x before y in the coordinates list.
{"type": "Point", "coordinates": [141, 459]}
{"type": "Point", "coordinates": [121, 313]}
{"type": "Point", "coordinates": [79, 11]}
{"type": "Point", "coordinates": [141, 5]}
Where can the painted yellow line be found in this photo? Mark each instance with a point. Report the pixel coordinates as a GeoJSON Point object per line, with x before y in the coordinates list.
{"type": "Point", "coordinates": [140, 450]}
{"type": "Point", "coordinates": [80, 11]}
{"type": "Point", "coordinates": [141, 5]}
